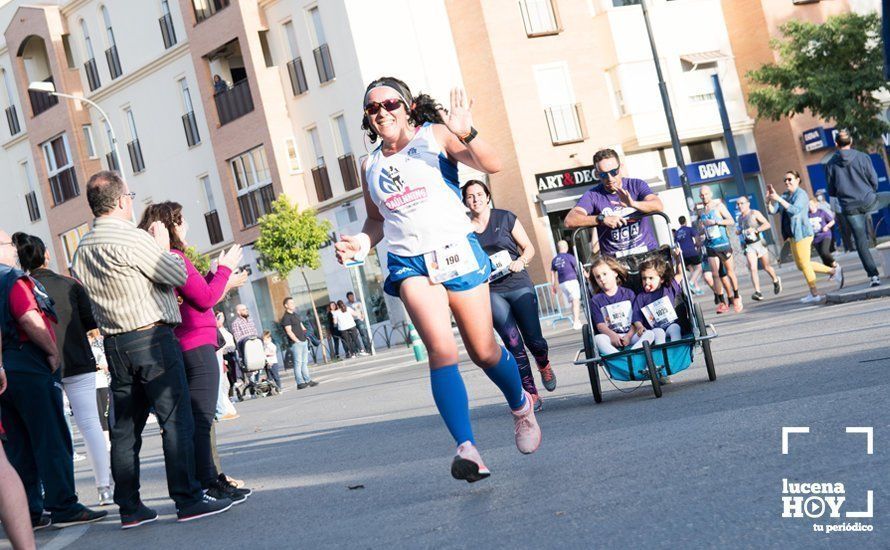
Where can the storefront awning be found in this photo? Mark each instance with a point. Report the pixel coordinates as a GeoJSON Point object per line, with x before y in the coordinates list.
{"type": "Point", "coordinates": [700, 58]}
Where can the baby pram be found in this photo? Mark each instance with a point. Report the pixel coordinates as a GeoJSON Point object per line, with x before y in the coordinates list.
{"type": "Point", "coordinates": [257, 380]}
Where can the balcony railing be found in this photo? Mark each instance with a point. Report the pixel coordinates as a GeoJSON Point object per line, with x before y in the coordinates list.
{"type": "Point", "coordinates": [540, 17]}
{"type": "Point", "coordinates": [206, 8]}
{"type": "Point", "coordinates": [297, 76]}
{"type": "Point", "coordinates": [566, 123]}
{"type": "Point", "coordinates": [323, 63]}
{"type": "Point", "coordinates": [349, 172]}
{"type": "Point", "coordinates": [33, 207]}
{"type": "Point", "coordinates": [114, 62]}
{"type": "Point", "coordinates": [234, 102]}
{"type": "Point", "coordinates": [12, 118]}
{"type": "Point", "coordinates": [92, 74]}
{"type": "Point", "coordinates": [113, 162]}
{"type": "Point", "coordinates": [192, 137]}
{"type": "Point", "coordinates": [255, 204]}
{"type": "Point", "coordinates": [41, 101]}
{"type": "Point", "coordinates": [214, 229]}
{"type": "Point", "coordinates": [64, 186]}
{"type": "Point", "coordinates": [136, 160]}
{"type": "Point", "coordinates": [322, 183]}
{"type": "Point", "coordinates": [168, 33]}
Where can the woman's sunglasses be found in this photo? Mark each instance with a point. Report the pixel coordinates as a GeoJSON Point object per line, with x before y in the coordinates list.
{"type": "Point", "coordinates": [390, 105]}
{"type": "Point", "coordinates": [604, 176]}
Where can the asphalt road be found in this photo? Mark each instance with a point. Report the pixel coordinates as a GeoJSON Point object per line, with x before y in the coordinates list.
{"type": "Point", "coordinates": [362, 461]}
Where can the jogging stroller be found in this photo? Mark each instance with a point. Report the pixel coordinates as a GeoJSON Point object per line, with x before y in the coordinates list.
{"type": "Point", "coordinates": [257, 381]}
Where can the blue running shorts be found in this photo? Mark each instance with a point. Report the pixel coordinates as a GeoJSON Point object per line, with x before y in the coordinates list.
{"type": "Point", "coordinates": [403, 267]}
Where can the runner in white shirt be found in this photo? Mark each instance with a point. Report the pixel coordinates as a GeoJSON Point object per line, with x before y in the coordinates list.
{"type": "Point", "coordinates": [435, 262]}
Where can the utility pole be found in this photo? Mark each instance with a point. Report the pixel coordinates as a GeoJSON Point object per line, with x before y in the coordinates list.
{"type": "Point", "coordinates": [737, 174]}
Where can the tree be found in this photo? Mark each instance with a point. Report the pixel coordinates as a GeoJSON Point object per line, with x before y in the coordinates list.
{"type": "Point", "coordinates": [833, 70]}
{"type": "Point", "coordinates": [291, 239]}
{"type": "Point", "coordinates": [200, 261]}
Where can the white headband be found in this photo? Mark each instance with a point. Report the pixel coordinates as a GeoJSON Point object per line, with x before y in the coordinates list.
{"type": "Point", "coordinates": [407, 103]}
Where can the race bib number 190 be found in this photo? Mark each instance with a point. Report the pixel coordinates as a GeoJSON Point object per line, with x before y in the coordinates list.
{"type": "Point", "coordinates": [450, 262]}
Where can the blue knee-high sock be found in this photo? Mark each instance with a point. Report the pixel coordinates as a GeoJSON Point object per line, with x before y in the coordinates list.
{"type": "Point", "coordinates": [506, 375]}
{"type": "Point", "coordinates": [450, 395]}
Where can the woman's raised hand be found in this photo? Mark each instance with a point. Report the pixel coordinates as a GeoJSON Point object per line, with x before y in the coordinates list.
{"type": "Point", "coordinates": [458, 118]}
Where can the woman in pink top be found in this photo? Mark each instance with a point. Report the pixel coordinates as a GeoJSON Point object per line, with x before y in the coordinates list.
{"type": "Point", "coordinates": [197, 335]}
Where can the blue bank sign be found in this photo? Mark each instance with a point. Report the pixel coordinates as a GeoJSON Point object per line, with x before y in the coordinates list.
{"type": "Point", "coordinates": [712, 170]}
{"type": "Point", "coordinates": [818, 138]}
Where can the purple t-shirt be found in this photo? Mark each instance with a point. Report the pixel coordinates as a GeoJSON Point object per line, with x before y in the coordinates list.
{"type": "Point", "coordinates": [565, 266]}
{"type": "Point", "coordinates": [819, 219]}
{"type": "Point", "coordinates": [632, 238]}
{"type": "Point", "coordinates": [657, 316]}
{"type": "Point", "coordinates": [685, 237]}
{"type": "Point", "coordinates": [615, 311]}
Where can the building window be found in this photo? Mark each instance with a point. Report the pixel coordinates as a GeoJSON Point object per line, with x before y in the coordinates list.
{"type": "Point", "coordinates": [621, 3]}
{"type": "Point", "coordinates": [346, 160]}
{"type": "Point", "coordinates": [70, 240]}
{"type": "Point", "coordinates": [295, 64]}
{"type": "Point", "coordinates": [12, 116]}
{"type": "Point", "coordinates": [564, 117]}
{"type": "Point", "coordinates": [253, 183]}
{"type": "Point", "coordinates": [168, 33]}
{"type": "Point", "coordinates": [88, 140]}
{"type": "Point", "coordinates": [322, 51]}
{"type": "Point", "coordinates": [697, 71]}
{"type": "Point", "coordinates": [540, 17]}
{"type": "Point", "coordinates": [293, 156]}
{"type": "Point", "coordinates": [320, 172]}
{"type": "Point", "coordinates": [613, 85]}
{"type": "Point", "coordinates": [111, 55]}
{"type": "Point", "coordinates": [60, 169]}
{"type": "Point", "coordinates": [189, 122]}
{"type": "Point", "coordinates": [206, 8]}
{"type": "Point", "coordinates": [30, 191]}
{"type": "Point", "coordinates": [700, 151]}
{"type": "Point", "coordinates": [111, 156]}
{"type": "Point", "coordinates": [211, 216]}
{"type": "Point", "coordinates": [89, 66]}
{"type": "Point", "coordinates": [137, 163]}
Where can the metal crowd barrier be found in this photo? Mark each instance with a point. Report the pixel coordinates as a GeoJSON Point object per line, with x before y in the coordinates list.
{"type": "Point", "coordinates": [549, 305]}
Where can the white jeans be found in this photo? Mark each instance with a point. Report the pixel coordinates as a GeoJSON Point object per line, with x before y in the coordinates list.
{"type": "Point", "coordinates": [224, 406]}
{"type": "Point", "coordinates": [81, 392]}
{"type": "Point", "coordinates": [605, 347]}
{"type": "Point", "coordinates": [669, 334]}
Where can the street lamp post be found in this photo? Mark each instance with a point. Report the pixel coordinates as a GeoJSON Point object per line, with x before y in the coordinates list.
{"type": "Point", "coordinates": [669, 113]}
{"type": "Point", "coordinates": [49, 88]}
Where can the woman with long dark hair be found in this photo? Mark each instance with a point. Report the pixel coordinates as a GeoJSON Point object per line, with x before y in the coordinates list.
{"type": "Point", "coordinates": [198, 338]}
{"type": "Point", "coordinates": [435, 263]}
{"type": "Point", "coordinates": [514, 305]}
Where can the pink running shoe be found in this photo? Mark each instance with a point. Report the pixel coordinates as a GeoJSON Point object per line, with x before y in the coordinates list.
{"type": "Point", "coordinates": [468, 465]}
{"type": "Point", "coordinates": [528, 433]}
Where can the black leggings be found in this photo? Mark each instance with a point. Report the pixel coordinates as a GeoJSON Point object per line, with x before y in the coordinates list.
{"type": "Point", "coordinates": [202, 373]}
{"type": "Point", "coordinates": [515, 316]}
{"type": "Point", "coordinates": [824, 248]}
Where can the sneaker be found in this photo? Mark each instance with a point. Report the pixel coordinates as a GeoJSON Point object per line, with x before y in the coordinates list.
{"type": "Point", "coordinates": [235, 485]}
{"type": "Point", "coordinates": [230, 416]}
{"type": "Point", "coordinates": [665, 380]}
{"type": "Point", "coordinates": [312, 383]}
{"type": "Point", "coordinates": [838, 277]}
{"type": "Point", "coordinates": [219, 491]}
{"type": "Point", "coordinates": [737, 305]}
{"type": "Point", "coordinates": [697, 291]}
{"type": "Point", "coordinates": [722, 307]}
{"type": "Point", "coordinates": [874, 281]}
{"type": "Point", "coordinates": [468, 465]}
{"type": "Point", "coordinates": [525, 427]}
{"type": "Point", "coordinates": [105, 496]}
{"type": "Point", "coordinates": [577, 326]}
{"type": "Point", "coordinates": [757, 296]}
{"type": "Point", "coordinates": [41, 522]}
{"type": "Point", "coordinates": [82, 516]}
{"type": "Point", "coordinates": [777, 285]}
{"type": "Point", "coordinates": [207, 506]}
{"type": "Point", "coordinates": [142, 516]}
{"type": "Point", "coordinates": [302, 386]}
{"type": "Point", "coordinates": [810, 299]}
{"type": "Point", "coordinates": [77, 457]}
{"type": "Point", "coordinates": [548, 377]}
{"type": "Point", "coordinates": [538, 402]}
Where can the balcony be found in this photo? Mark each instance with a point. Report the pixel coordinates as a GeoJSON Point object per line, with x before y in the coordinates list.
{"type": "Point", "coordinates": [348, 172]}
{"type": "Point", "coordinates": [207, 8]}
{"type": "Point", "coordinates": [234, 102]}
{"type": "Point", "coordinates": [256, 204]}
{"type": "Point", "coordinates": [114, 62]}
{"type": "Point", "coordinates": [12, 118]}
{"type": "Point", "coordinates": [566, 123]}
{"type": "Point", "coordinates": [214, 229]}
{"type": "Point", "coordinates": [41, 101]}
{"type": "Point", "coordinates": [168, 33]}
{"type": "Point", "coordinates": [113, 162]}
{"type": "Point", "coordinates": [33, 207]}
{"type": "Point", "coordinates": [540, 18]}
{"type": "Point", "coordinates": [136, 160]}
{"type": "Point", "coordinates": [64, 186]}
{"type": "Point", "coordinates": [192, 137]}
{"type": "Point", "coordinates": [322, 183]}
{"type": "Point", "coordinates": [92, 74]}
{"type": "Point", "coordinates": [297, 76]}
{"type": "Point", "coordinates": [323, 63]}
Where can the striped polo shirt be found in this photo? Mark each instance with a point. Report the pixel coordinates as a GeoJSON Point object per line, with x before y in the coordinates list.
{"type": "Point", "coordinates": [130, 279]}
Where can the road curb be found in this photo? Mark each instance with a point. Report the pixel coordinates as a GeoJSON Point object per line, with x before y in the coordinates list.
{"type": "Point", "coordinates": [858, 295]}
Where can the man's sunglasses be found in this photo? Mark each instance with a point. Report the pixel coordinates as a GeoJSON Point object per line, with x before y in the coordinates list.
{"type": "Point", "coordinates": [604, 176]}
{"type": "Point", "coordinates": [390, 105]}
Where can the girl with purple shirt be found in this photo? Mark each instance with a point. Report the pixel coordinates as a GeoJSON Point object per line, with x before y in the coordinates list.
{"type": "Point", "coordinates": [612, 308]}
{"type": "Point", "coordinates": [822, 223]}
{"type": "Point", "coordinates": [198, 338]}
{"type": "Point", "coordinates": [654, 307]}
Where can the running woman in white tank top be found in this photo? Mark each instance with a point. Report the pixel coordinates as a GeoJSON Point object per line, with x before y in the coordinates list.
{"type": "Point", "coordinates": [434, 262]}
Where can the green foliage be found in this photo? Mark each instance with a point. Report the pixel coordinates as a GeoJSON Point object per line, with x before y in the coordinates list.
{"type": "Point", "coordinates": [290, 239]}
{"type": "Point", "coordinates": [200, 261]}
{"type": "Point", "coordinates": [832, 70]}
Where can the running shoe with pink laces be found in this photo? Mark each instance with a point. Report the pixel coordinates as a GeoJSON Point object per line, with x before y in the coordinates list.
{"type": "Point", "coordinates": [548, 377]}
{"type": "Point", "coordinates": [468, 465]}
{"type": "Point", "coordinates": [528, 433]}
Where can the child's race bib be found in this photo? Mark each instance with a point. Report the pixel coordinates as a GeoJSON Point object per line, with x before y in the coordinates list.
{"type": "Point", "coordinates": [450, 262]}
{"type": "Point", "coordinates": [660, 313]}
{"type": "Point", "coordinates": [816, 224]}
{"type": "Point", "coordinates": [618, 316]}
{"type": "Point", "coordinates": [500, 264]}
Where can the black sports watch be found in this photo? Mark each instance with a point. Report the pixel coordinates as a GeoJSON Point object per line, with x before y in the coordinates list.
{"type": "Point", "coordinates": [600, 218]}
{"type": "Point", "coordinates": [469, 137]}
